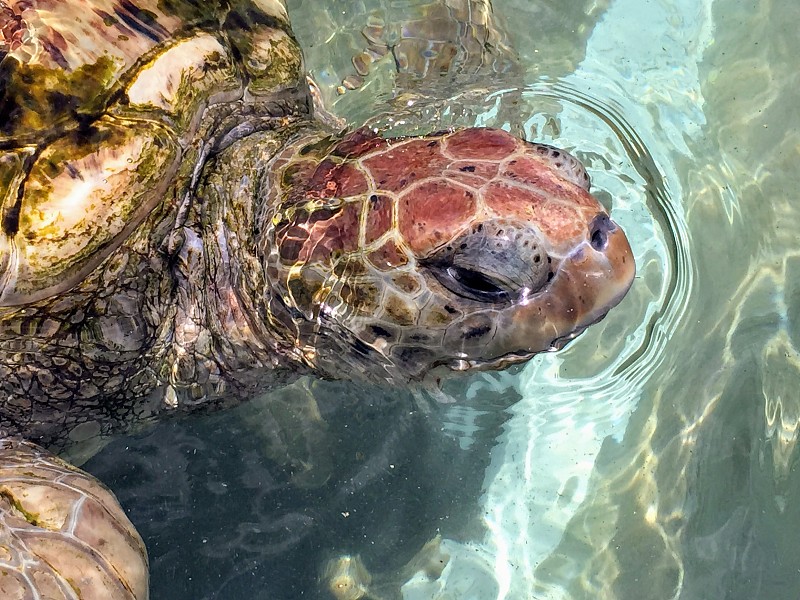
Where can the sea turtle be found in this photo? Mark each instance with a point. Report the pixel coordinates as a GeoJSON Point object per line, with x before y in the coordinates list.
{"type": "Point", "coordinates": [179, 232]}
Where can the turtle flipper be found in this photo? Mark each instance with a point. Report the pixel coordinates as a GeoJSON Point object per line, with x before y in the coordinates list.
{"type": "Point", "coordinates": [62, 533]}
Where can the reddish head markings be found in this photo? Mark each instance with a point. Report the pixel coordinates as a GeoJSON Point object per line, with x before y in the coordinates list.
{"type": "Point", "coordinates": [480, 144]}
{"type": "Point", "coordinates": [438, 187]}
{"type": "Point", "coordinates": [388, 257]}
{"type": "Point", "coordinates": [358, 143]}
{"type": "Point", "coordinates": [332, 180]}
{"type": "Point", "coordinates": [558, 221]}
{"type": "Point", "coordinates": [322, 235]}
{"type": "Point", "coordinates": [531, 171]}
{"type": "Point", "coordinates": [489, 247]}
{"type": "Point", "coordinates": [404, 164]}
{"type": "Point", "coordinates": [379, 217]}
{"type": "Point", "coordinates": [434, 213]}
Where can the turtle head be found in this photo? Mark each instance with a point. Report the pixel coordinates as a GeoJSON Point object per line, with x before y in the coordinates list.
{"type": "Point", "coordinates": [469, 249]}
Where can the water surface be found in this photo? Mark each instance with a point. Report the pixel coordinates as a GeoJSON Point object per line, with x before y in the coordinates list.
{"type": "Point", "coordinates": [655, 457]}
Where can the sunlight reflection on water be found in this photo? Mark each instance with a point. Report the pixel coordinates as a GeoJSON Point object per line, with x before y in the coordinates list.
{"type": "Point", "coordinates": [656, 456]}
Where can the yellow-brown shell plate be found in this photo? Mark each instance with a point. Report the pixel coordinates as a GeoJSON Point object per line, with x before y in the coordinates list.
{"type": "Point", "coordinates": [62, 533]}
{"type": "Point", "coordinates": [100, 119]}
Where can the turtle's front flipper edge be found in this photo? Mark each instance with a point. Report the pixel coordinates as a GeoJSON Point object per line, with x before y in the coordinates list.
{"type": "Point", "coordinates": [62, 532]}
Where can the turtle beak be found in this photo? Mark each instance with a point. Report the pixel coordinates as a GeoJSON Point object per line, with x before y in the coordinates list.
{"type": "Point", "coordinates": [578, 291]}
{"type": "Point", "coordinates": [588, 283]}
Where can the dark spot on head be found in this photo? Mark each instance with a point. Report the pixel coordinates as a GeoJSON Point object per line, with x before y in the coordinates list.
{"type": "Point", "coordinates": [450, 309]}
{"type": "Point", "coordinates": [550, 276]}
{"type": "Point", "coordinates": [468, 169]}
{"type": "Point", "coordinates": [373, 198]}
{"type": "Point", "coordinates": [379, 331]}
{"type": "Point", "coordinates": [479, 331]}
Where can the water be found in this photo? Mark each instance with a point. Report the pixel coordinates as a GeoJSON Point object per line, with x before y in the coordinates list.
{"type": "Point", "coordinates": [654, 458]}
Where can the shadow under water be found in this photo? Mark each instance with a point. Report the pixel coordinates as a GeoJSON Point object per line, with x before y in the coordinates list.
{"type": "Point", "coordinates": [254, 501]}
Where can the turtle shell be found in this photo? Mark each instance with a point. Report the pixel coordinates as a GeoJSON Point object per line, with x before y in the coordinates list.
{"type": "Point", "coordinates": [64, 533]}
{"type": "Point", "coordinates": [107, 108]}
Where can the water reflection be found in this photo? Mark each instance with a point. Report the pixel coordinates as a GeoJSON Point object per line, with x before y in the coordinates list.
{"type": "Point", "coordinates": [255, 502]}
{"type": "Point", "coordinates": [656, 457]}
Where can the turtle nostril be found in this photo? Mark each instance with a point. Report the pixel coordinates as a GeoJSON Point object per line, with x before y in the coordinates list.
{"type": "Point", "coordinates": [599, 239]}
{"type": "Point", "coordinates": [599, 229]}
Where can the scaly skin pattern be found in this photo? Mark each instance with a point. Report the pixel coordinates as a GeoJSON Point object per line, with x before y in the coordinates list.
{"type": "Point", "coordinates": [468, 249]}
{"type": "Point", "coordinates": [109, 119]}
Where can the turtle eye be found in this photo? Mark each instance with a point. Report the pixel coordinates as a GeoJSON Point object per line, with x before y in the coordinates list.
{"type": "Point", "coordinates": [473, 285]}
{"type": "Point", "coordinates": [496, 262]}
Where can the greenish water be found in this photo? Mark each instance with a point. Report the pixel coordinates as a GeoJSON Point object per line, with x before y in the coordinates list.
{"type": "Point", "coordinates": [655, 457]}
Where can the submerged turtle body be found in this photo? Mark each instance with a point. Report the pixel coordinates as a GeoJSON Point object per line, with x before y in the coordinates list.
{"type": "Point", "coordinates": [177, 232]}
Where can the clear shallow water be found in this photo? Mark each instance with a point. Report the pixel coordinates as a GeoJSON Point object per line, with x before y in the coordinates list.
{"type": "Point", "coordinates": [653, 458]}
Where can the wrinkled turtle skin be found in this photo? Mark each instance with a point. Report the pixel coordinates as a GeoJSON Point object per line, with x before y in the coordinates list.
{"type": "Point", "coordinates": [178, 233]}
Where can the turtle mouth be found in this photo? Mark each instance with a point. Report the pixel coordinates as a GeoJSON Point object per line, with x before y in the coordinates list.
{"type": "Point", "coordinates": [513, 358]}
{"type": "Point", "coordinates": [501, 362]}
